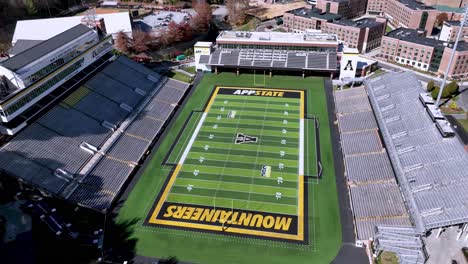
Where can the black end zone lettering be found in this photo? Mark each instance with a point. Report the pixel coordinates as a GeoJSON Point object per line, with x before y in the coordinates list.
{"type": "Point", "coordinates": [248, 220]}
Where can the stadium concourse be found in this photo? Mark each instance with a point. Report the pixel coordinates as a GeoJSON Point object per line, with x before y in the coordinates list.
{"type": "Point", "coordinates": [414, 184]}
{"type": "Point", "coordinates": [84, 149]}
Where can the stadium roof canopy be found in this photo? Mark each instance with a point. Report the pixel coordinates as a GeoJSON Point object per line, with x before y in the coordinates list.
{"type": "Point", "coordinates": [45, 47]}
{"type": "Point", "coordinates": [42, 29]}
{"type": "Point", "coordinates": [84, 149]}
{"type": "Point", "coordinates": [431, 170]}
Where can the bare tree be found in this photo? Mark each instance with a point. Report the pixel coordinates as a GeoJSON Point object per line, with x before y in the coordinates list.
{"type": "Point", "coordinates": [203, 15]}
{"type": "Point", "coordinates": [236, 10]}
{"type": "Point", "coordinates": [122, 42]}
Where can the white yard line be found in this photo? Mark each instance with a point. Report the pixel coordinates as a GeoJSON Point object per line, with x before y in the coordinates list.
{"type": "Point", "coordinates": [191, 129]}
{"type": "Point", "coordinates": [192, 139]}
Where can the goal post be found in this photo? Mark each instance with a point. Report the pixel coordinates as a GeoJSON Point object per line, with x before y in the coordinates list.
{"type": "Point", "coordinates": [261, 82]}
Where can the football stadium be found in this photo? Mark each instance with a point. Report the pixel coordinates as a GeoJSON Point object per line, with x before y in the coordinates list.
{"type": "Point", "coordinates": [240, 171]}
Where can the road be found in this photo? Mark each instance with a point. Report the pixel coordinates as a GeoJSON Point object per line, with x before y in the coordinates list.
{"type": "Point", "coordinates": [264, 25]}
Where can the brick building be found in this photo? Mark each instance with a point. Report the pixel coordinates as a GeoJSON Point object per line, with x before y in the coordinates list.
{"type": "Point", "coordinates": [364, 34]}
{"type": "Point", "coordinates": [411, 13]}
{"type": "Point", "coordinates": [450, 30]}
{"type": "Point", "coordinates": [410, 47]}
{"type": "Point", "coordinates": [344, 8]}
{"type": "Point", "coordinates": [459, 67]}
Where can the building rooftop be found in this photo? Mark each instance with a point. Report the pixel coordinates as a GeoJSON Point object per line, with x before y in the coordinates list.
{"type": "Point", "coordinates": [161, 19]}
{"type": "Point", "coordinates": [361, 23]}
{"type": "Point", "coordinates": [415, 5]}
{"type": "Point", "coordinates": [444, 8]}
{"type": "Point", "coordinates": [205, 44]}
{"type": "Point", "coordinates": [454, 23]}
{"type": "Point", "coordinates": [24, 58]}
{"type": "Point", "coordinates": [412, 35]}
{"type": "Point", "coordinates": [314, 12]}
{"type": "Point", "coordinates": [277, 38]}
{"type": "Point", "coordinates": [22, 45]}
{"type": "Point", "coordinates": [27, 29]}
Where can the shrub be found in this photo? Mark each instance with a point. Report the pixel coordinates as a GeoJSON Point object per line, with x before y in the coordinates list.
{"type": "Point", "coordinates": [430, 86]}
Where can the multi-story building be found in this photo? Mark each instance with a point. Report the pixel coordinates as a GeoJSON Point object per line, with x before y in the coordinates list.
{"type": "Point", "coordinates": [449, 3]}
{"type": "Point", "coordinates": [459, 67]}
{"type": "Point", "coordinates": [345, 8]}
{"type": "Point", "coordinates": [450, 30]}
{"type": "Point", "coordinates": [31, 79]}
{"type": "Point", "coordinates": [363, 34]}
{"type": "Point", "coordinates": [410, 47]}
{"type": "Point", "coordinates": [411, 14]}
{"type": "Point", "coordinates": [376, 7]}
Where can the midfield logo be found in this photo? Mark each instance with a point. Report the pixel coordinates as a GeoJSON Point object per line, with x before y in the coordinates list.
{"type": "Point", "coordinates": [241, 138]}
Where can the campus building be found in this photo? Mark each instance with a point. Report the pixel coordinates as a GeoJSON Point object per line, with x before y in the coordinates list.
{"type": "Point", "coordinates": [364, 34]}
{"type": "Point", "coordinates": [308, 53]}
{"type": "Point", "coordinates": [344, 8]}
{"type": "Point", "coordinates": [410, 47]}
{"type": "Point", "coordinates": [412, 14]}
{"type": "Point", "coordinates": [450, 30]}
{"type": "Point", "coordinates": [34, 77]}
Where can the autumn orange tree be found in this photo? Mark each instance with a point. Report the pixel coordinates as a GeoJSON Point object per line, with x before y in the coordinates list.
{"type": "Point", "coordinates": [141, 41]}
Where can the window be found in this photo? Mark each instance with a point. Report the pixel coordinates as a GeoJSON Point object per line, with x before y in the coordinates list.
{"type": "Point", "coordinates": [42, 88]}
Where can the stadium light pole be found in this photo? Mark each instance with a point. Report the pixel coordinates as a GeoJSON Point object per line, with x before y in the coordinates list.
{"type": "Point", "coordinates": [462, 24]}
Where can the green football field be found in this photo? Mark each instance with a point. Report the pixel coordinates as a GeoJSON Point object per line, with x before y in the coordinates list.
{"type": "Point", "coordinates": [232, 169]}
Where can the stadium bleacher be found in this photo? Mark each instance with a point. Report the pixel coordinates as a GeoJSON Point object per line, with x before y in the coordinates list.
{"type": "Point", "coordinates": [85, 148]}
{"type": "Point", "coordinates": [375, 196]}
{"type": "Point", "coordinates": [273, 59]}
{"type": "Point", "coordinates": [432, 169]}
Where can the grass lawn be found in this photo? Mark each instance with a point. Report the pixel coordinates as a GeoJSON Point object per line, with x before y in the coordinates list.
{"type": "Point", "coordinates": [250, 25]}
{"type": "Point", "coordinates": [279, 30]}
{"type": "Point", "coordinates": [387, 257]}
{"type": "Point", "coordinates": [388, 29]}
{"type": "Point", "coordinates": [199, 247]}
{"type": "Point", "coordinates": [464, 123]}
{"type": "Point", "coordinates": [179, 76]}
{"type": "Point", "coordinates": [190, 69]}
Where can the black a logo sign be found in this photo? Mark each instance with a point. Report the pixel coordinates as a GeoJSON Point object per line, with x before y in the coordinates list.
{"type": "Point", "coordinates": [349, 66]}
{"type": "Point", "coordinates": [241, 138]}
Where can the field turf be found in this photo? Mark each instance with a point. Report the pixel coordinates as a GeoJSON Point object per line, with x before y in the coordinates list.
{"type": "Point", "coordinates": [229, 175]}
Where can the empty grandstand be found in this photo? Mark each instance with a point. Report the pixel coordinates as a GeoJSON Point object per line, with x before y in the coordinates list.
{"type": "Point", "coordinates": [85, 148]}
{"type": "Point", "coordinates": [305, 53]}
{"type": "Point", "coordinates": [368, 169]}
{"type": "Point", "coordinates": [422, 162]}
